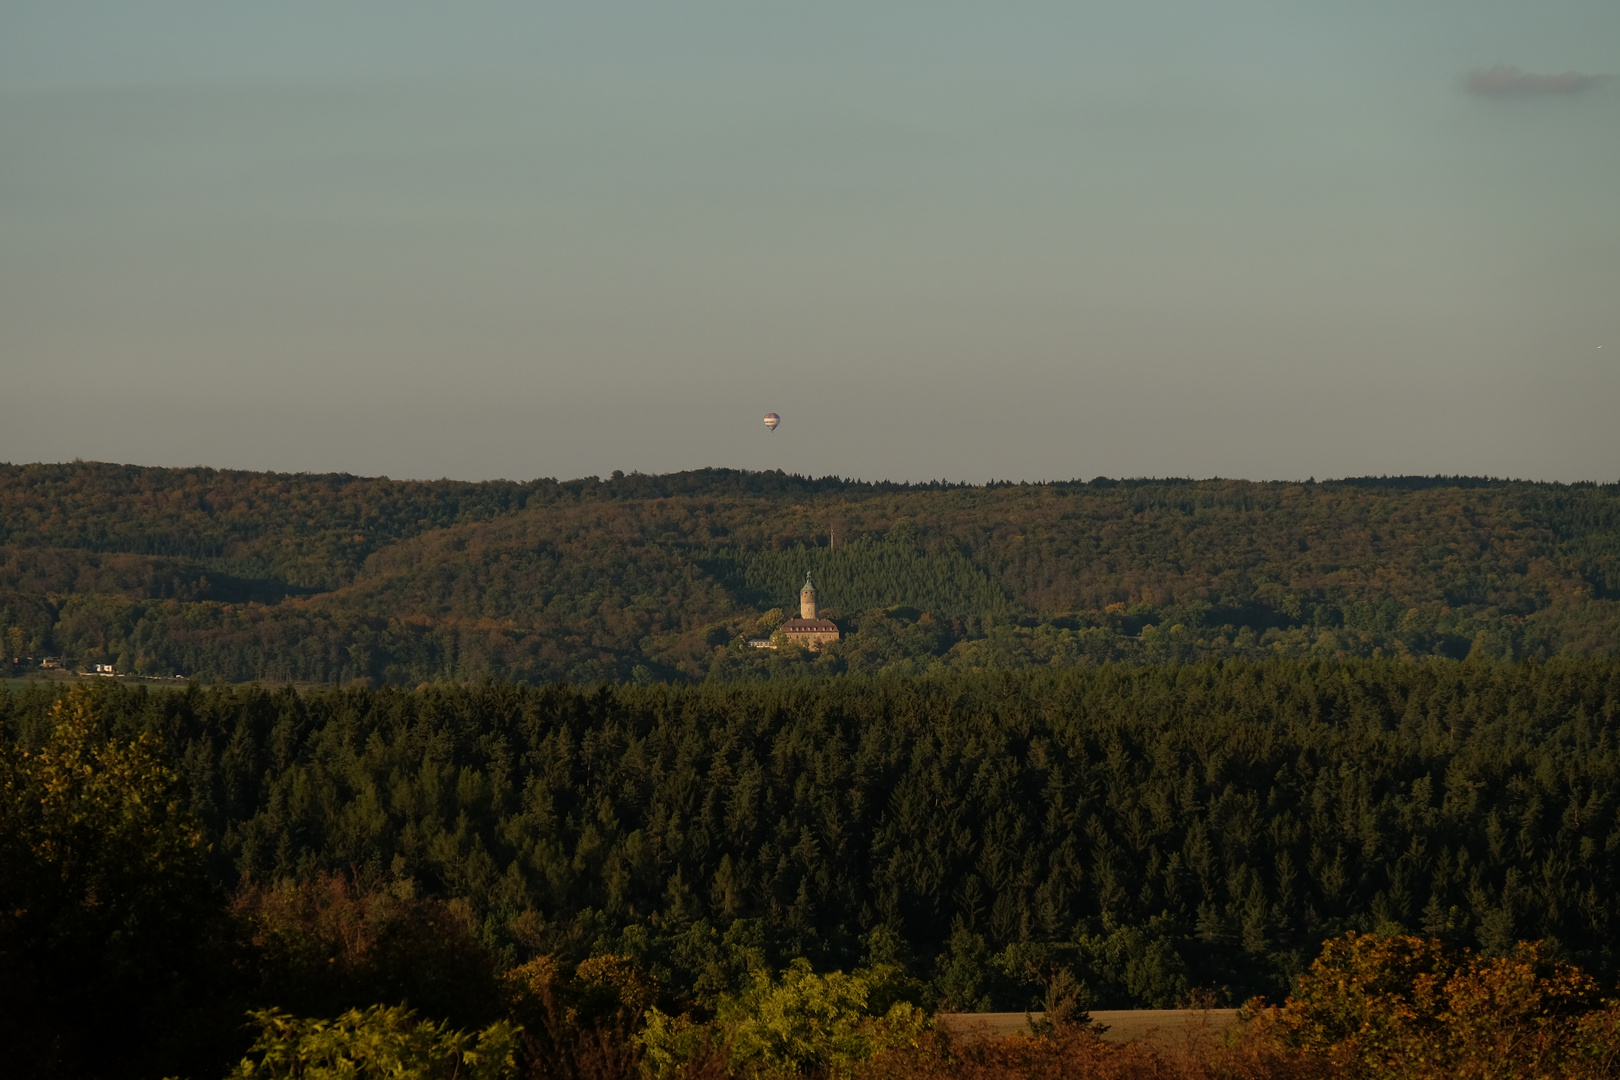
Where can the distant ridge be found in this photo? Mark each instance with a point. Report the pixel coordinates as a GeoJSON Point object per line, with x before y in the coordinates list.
{"type": "Point", "coordinates": [326, 578]}
{"type": "Point", "coordinates": [721, 480]}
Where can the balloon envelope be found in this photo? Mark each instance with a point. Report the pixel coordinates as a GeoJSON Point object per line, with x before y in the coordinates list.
{"type": "Point", "coordinates": [771, 420]}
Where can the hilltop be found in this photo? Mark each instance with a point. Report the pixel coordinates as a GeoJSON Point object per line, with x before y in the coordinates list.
{"type": "Point", "coordinates": [331, 578]}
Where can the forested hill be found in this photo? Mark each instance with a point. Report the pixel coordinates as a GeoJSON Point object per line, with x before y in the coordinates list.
{"type": "Point", "coordinates": [327, 578]}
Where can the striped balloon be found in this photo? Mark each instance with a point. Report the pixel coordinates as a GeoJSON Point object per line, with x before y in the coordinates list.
{"type": "Point", "coordinates": [771, 420]}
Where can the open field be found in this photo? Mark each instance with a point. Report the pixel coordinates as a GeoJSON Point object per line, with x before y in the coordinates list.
{"type": "Point", "coordinates": [1124, 1025]}
{"type": "Point", "coordinates": [60, 678]}
{"type": "Point", "coordinates": [70, 678]}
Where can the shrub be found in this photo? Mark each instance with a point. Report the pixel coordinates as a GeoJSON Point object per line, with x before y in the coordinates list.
{"type": "Point", "coordinates": [800, 1023]}
{"type": "Point", "coordinates": [579, 1027]}
{"type": "Point", "coordinates": [374, 1044]}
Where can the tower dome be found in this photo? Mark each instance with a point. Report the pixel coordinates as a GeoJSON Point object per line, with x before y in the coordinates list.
{"type": "Point", "coordinates": [807, 599]}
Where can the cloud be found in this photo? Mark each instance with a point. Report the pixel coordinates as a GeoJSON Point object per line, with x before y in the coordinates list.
{"type": "Point", "coordinates": [1505, 81]}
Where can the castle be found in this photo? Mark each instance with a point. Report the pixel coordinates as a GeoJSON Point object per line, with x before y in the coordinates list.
{"type": "Point", "coordinates": [808, 630]}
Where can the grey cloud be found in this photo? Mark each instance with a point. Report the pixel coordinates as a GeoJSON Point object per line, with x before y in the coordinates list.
{"type": "Point", "coordinates": [1505, 81]}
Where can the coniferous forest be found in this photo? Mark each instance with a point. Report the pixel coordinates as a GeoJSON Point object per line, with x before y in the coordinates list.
{"type": "Point", "coordinates": [483, 779]}
{"type": "Point", "coordinates": [1155, 833]}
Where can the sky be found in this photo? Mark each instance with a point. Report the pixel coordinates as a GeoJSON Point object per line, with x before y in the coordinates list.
{"type": "Point", "coordinates": [1013, 240]}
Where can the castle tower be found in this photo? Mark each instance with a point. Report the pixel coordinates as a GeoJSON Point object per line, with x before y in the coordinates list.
{"type": "Point", "coordinates": [807, 629]}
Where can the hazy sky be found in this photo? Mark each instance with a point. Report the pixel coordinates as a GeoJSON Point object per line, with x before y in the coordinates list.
{"type": "Point", "coordinates": [1020, 240]}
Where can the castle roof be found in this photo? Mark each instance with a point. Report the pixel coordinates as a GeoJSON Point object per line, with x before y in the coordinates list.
{"type": "Point", "coordinates": [810, 626]}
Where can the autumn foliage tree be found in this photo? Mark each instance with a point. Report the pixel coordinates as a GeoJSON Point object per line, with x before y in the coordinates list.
{"type": "Point", "coordinates": [107, 912]}
{"type": "Point", "coordinates": [324, 945]}
{"type": "Point", "coordinates": [1403, 1007]}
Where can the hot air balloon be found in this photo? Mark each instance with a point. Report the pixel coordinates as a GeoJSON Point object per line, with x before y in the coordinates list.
{"type": "Point", "coordinates": [771, 420]}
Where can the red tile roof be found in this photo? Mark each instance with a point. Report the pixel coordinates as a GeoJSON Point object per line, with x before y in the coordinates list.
{"type": "Point", "coordinates": [810, 626]}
